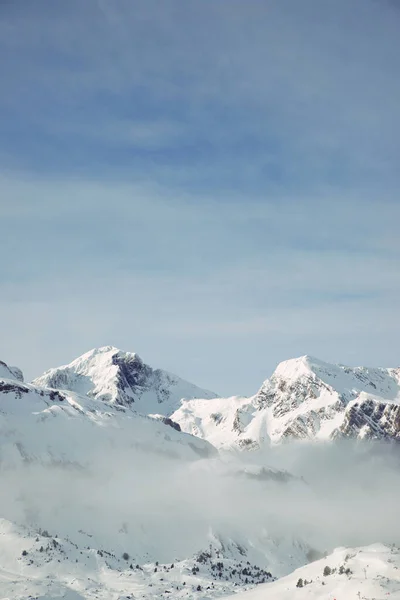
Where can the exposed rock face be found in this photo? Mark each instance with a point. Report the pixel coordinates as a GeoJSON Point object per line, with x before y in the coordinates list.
{"type": "Point", "coordinates": [167, 421]}
{"type": "Point", "coordinates": [371, 419]}
{"type": "Point", "coordinates": [310, 399]}
{"type": "Point", "coordinates": [7, 386]}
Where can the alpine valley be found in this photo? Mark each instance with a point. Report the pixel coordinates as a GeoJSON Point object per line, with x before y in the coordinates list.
{"type": "Point", "coordinates": [120, 480]}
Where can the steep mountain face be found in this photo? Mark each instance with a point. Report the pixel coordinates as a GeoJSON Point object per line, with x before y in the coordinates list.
{"type": "Point", "coordinates": [304, 399]}
{"type": "Point", "coordinates": [122, 378]}
{"type": "Point", "coordinates": [308, 398]}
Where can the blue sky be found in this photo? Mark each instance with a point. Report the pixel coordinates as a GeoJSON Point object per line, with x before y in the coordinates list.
{"type": "Point", "coordinates": [213, 185]}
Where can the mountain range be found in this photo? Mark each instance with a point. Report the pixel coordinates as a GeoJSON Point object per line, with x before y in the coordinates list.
{"type": "Point", "coordinates": [125, 481]}
{"type": "Point", "coordinates": [305, 398]}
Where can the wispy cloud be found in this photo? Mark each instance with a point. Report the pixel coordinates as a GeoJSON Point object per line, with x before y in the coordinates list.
{"type": "Point", "coordinates": [91, 263]}
{"type": "Point", "coordinates": [184, 175]}
{"type": "Point", "coordinates": [300, 92]}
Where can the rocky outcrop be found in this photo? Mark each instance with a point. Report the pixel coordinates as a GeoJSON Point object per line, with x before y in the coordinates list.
{"type": "Point", "coordinates": [370, 419]}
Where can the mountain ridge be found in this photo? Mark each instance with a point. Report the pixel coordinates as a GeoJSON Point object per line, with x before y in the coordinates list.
{"type": "Point", "coordinates": [305, 398]}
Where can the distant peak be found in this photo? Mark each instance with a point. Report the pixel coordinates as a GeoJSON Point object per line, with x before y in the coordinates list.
{"type": "Point", "coordinates": [10, 372]}
{"type": "Point", "coordinates": [302, 365]}
{"type": "Point", "coordinates": [114, 350]}
{"type": "Point", "coordinates": [107, 351]}
{"type": "Point", "coordinates": [101, 350]}
{"type": "Point", "coordinates": [112, 375]}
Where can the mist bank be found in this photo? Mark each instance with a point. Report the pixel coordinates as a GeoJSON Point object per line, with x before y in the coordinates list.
{"type": "Point", "coordinates": [324, 495]}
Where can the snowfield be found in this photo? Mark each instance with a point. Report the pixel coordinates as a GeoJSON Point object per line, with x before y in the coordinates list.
{"type": "Point", "coordinates": [52, 426]}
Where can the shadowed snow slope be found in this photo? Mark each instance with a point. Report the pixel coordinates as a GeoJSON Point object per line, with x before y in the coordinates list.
{"type": "Point", "coordinates": [304, 399]}
{"type": "Point", "coordinates": [122, 378]}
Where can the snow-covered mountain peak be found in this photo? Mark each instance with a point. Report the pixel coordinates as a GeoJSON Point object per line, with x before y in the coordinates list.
{"type": "Point", "coordinates": [103, 354]}
{"type": "Point", "coordinates": [305, 398]}
{"type": "Point", "coordinates": [347, 382]}
{"type": "Point", "coordinates": [123, 378]}
{"type": "Point", "coordinates": [298, 367]}
{"type": "Point", "coordinates": [7, 372]}
{"type": "Point", "coordinates": [308, 398]}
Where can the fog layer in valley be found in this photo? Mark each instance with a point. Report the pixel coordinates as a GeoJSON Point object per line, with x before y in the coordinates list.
{"type": "Point", "coordinates": [166, 509]}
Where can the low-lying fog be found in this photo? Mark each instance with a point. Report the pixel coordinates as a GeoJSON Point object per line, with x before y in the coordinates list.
{"type": "Point", "coordinates": [342, 494]}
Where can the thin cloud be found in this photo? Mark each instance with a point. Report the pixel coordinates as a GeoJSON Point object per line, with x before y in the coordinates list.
{"type": "Point", "coordinates": [315, 83]}
{"type": "Point", "coordinates": [176, 176]}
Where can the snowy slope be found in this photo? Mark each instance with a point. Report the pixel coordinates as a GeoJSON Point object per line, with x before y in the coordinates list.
{"type": "Point", "coordinates": [122, 378]}
{"type": "Point", "coordinates": [90, 559]}
{"type": "Point", "coordinates": [225, 422]}
{"type": "Point", "coordinates": [368, 573]}
{"type": "Point", "coordinates": [40, 564]}
{"type": "Point", "coordinates": [304, 399]}
{"type": "Point", "coordinates": [51, 426]}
